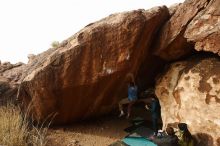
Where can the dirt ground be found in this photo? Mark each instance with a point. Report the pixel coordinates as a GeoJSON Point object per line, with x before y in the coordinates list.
{"type": "Point", "coordinates": [96, 132]}
{"type": "Point", "coordinates": [100, 132]}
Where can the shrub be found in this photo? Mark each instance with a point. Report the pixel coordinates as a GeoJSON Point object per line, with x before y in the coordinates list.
{"type": "Point", "coordinates": [55, 44]}
{"type": "Point", "coordinates": [16, 130]}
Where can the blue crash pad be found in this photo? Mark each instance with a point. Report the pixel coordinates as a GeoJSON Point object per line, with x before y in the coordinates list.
{"type": "Point", "coordinates": [138, 141]}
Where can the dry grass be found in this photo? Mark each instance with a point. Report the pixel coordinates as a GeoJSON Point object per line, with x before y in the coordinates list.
{"type": "Point", "coordinates": [16, 130]}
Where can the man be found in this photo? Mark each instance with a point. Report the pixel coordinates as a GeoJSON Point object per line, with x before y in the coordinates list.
{"type": "Point", "coordinates": [155, 112]}
{"type": "Point", "coordinates": [185, 136]}
{"type": "Point", "coordinates": [167, 140]}
{"type": "Point", "coordinates": [132, 97]}
{"type": "Point", "coordinates": [172, 139]}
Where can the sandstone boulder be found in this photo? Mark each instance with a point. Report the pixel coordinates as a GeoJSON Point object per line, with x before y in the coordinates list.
{"type": "Point", "coordinates": [31, 57]}
{"type": "Point", "coordinates": [85, 76]}
{"type": "Point", "coordinates": [173, 8]}
{"type": "Point", "coordinates": [204, 29]}
{"type": "Point", "coordinates": [171, 43]}
{"type": "Point", "coordinates": [189, 92]}
{"type": "Point", "coordinates": [10, 78]}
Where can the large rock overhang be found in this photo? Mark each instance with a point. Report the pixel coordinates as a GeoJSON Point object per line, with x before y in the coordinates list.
{"type": "Point", "coordinates": [86, 76]}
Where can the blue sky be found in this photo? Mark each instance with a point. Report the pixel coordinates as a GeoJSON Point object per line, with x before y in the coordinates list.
{"type": "Point", "coordinates": [30, 26]}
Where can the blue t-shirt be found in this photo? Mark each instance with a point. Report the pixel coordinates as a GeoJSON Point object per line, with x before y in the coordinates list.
{"type": "Point", "coordinates": [132, 93]}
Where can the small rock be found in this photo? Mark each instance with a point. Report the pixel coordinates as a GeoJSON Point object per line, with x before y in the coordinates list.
{"type": "Point", "coordinates": [74, 143]}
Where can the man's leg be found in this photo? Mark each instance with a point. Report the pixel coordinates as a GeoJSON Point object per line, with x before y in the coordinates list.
{"type": "Point", "coordinates": [120, 104]}
{"type": "Point", "coordinates": [129, 108]}
{"type": "Point", "coordinates": [155, 126]}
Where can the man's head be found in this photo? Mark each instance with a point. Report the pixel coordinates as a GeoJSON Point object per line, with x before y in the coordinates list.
{"type": "Point", "coordinates": [153, 97]}
{"type": "Point", "coordinates": [131, 84]}
{"type": "Point", "coordinates": [182, 126]}
{"type": "Point", "coordinates": [151, 94]}
{"type": "Point", "coordinates": [170, 131]}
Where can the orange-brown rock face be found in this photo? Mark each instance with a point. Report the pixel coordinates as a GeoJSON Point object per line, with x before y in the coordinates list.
{"type": "Point", "coordinates": [171, 44]}
{"type": "Point", "coordinates": [189, 92]}
{"type": "Point", "coordinates": [204, 29]}
{"type": "Point", "coordinates": [86, 75]}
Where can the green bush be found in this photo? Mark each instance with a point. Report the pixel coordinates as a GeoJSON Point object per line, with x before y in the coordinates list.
{"type": "Point", "coordinates": [55, 44]}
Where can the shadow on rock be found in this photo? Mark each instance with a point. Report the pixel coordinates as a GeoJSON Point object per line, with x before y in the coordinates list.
{"type": "Point", "coordinates": [203, 139]}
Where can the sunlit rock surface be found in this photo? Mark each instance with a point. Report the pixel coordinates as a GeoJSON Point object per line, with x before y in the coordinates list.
{"type": "Point", "coordinates": [171, 43]}
{"type": "Point", "coordinates": [189, 92]}
{"type": "Point", "coordinates": [204, 29]}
